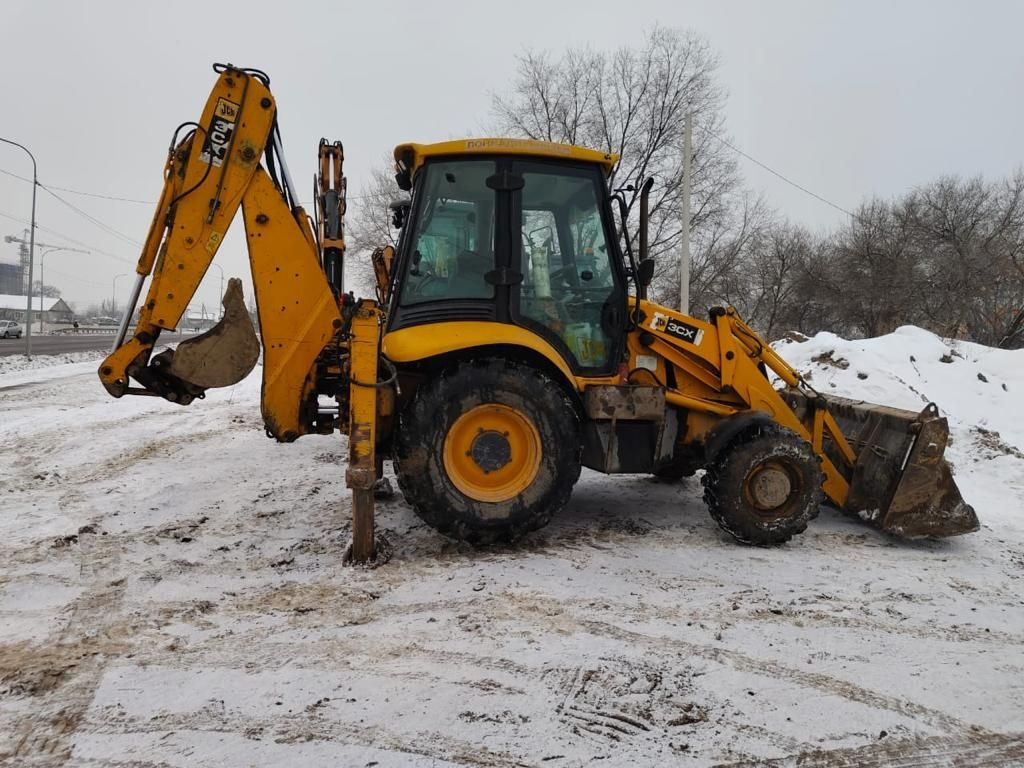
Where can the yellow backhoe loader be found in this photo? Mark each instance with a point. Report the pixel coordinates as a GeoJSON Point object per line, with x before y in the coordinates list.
{"type": "Point", "coordinates": [510, 343]}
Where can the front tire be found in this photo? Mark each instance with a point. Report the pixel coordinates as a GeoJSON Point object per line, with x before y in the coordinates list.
{"type": "Point", "coordinates": [765, 486]}
{"type": "Point", "coordinates": [488, 451]}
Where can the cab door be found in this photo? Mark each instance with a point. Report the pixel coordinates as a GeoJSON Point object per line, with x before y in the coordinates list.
{"type": "Point", "coordinates": [572, 287]}
{"type": "Point", "coordinates": [449, 246]}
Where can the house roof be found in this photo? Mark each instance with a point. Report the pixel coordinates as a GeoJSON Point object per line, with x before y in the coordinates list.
{"type": "Point", "coordinates": [11, 301]}
{"type": "Point", "coordinates": [193, 315]}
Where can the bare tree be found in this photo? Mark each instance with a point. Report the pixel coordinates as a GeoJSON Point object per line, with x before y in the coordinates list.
{"type": "Point", "coordinates": [972, 241]}
{"type": "Point", "coordinates": [876, 268]}
{"type": "Point", "coordinates": [49, 291]}
{"type": "Point", "coordinates": [778, 262]}
{"type": "Point", "coordinates": [721, 252]}
{"type": "Point", "coordinates": [948, 256]}
{"type": "Point", "coordinates": [369, 225]}
{"type": "Point", "coordinates": [104, 308]}
{"type": "Point", "coordinates": [632, 102]}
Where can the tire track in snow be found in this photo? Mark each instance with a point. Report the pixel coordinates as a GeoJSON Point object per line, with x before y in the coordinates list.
{"type": "Point", "coordinates": [553, 613]}
{"type": "Point", "coordinates": [60, 675]}
{"type": "Point", "coordinates": [303, 726]}
{"type": "Point", "coordinates": [982, 750]}
{"type": "Point", "coordinates": [768, 668]}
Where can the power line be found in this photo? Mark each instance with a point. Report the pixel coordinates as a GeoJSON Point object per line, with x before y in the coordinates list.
{"type": "Point", "coordinates": [61, 273]}
{"type": "Point", "coordinates": [89, 217]}
{"type": "Point", "coordinates": [80, 192]}
{"type": "Point", "coordinates": [105, 227]}
{"type": "Point", "coordinates": [69, 239]}
{"type": "Point", "coordinates": [772, 171]}
{"type": "Point", "coordinates": [106, 197]}
{"type": "Point", "coordinates": [731, 146]}
{"type": "Point", "coordinates": [118, 199]}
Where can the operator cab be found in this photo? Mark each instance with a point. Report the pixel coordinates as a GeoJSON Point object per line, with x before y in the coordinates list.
{"type": "Point", "coordinates": [525, 238]}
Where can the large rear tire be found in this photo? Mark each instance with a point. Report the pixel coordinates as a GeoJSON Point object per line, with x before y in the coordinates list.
{"type": "Point", "coordinates": [488, 451]}
{"type": "Point", "coordinates": [765, 486]}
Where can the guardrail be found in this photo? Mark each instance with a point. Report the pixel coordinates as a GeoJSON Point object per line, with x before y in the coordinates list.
{"type": "Point", "coordinates": [91, 329]}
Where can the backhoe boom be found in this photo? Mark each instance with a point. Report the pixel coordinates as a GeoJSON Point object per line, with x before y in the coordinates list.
{"type": "Point", "coordinates": [208, 175]}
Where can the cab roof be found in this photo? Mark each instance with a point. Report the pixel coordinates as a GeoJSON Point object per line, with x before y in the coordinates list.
{"type": "Point", "coordinates": [496, 146]}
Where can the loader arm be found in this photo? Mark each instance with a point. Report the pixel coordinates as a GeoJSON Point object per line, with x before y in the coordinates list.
{"type": "Point", "coordinates": [215, 169]}
{"type": "Point", "coordinates": [882, 464]}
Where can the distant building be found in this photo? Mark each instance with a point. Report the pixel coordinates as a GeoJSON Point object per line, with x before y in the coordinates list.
{"type": "Point", "coordinates": [10, 279]}
{"type": "Point", "coordinates": [13, 307]}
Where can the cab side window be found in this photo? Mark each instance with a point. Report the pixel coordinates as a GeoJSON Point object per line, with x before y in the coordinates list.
{"type": "Point", "coordinates": [453, 245]}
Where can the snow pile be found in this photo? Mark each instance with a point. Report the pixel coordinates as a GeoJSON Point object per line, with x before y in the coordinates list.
{"type": "Point", "coordinates": [973, 385]}
{"type": "Point", "coordinates": [18, 363]}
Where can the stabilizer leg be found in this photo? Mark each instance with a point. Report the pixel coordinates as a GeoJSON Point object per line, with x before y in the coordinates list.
{"type": "Point", "coordinates": [361, 477]}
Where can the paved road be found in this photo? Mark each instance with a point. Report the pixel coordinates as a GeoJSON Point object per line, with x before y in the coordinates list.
{"type": "Point", "coordinates": [55, 345]}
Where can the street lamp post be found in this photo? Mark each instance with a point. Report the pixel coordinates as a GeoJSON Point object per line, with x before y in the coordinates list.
{"type": "Point", "coordinates": [219, 304]}
{"type": "Point", "coordinates": [31, 248]}
{"type": "Point", "coordinates": [113, 292]}
{"type": "Point", "coordinates": [42, 279]}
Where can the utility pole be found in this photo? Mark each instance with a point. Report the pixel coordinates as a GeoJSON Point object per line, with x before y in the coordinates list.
{"type": "Point", "coordinates": [31, 248]}
{"type": "Point", "coordinates": [684, 256]}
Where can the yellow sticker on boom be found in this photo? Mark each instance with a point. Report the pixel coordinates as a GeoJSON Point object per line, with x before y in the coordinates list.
{"type": "Point", "coordinates": [213, 242]}
{"type": "Point", "coordinates": [226, 110]}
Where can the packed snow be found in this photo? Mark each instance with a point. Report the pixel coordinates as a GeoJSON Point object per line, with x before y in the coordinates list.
{"type": "Point", "coordinates": [172, 594]}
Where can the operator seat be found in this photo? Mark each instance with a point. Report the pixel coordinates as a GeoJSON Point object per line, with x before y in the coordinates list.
{"type": "Point", "coordinates": [468, 281]}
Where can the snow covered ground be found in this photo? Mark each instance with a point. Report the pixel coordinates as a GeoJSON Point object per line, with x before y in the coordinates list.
{"type": "Point", "coordinates": [20, 363]}
{"type": "Point", "coordinates": [172, 594]}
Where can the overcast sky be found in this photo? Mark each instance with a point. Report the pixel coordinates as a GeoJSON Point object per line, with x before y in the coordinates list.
{"type": "Point", "coordinates": [849, 99]}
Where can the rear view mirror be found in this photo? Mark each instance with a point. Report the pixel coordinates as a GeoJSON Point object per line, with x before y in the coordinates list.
{"type": "Point", "coordinates": [645, 273]}
{"type": "Point", "coordinates": [399, 212]}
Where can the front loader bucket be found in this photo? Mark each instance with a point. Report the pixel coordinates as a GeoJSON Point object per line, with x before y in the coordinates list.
{"type": "Point", "coordinates": [900, 482]}
{"type": "Point", "coordinates": [226, 353]}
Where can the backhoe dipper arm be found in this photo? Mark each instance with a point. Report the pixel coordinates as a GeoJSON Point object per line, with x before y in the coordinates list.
{"type": "Point", "coordinates": [208, 175]}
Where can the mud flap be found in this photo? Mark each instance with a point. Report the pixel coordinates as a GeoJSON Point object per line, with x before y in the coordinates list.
{"type": "Point", "coordinates": [901, 482]}
{"type": "Point", "coordinates": [226, 353]}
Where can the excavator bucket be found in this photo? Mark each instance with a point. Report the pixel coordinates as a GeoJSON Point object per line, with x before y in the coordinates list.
{"type": "Point", "coordinates": [226, 353]}
{"type": "Point", "coordinates": [900, 481]}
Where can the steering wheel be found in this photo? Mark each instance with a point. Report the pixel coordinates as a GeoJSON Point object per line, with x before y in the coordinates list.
{"type": "Point", "coordinates": [426, 279]}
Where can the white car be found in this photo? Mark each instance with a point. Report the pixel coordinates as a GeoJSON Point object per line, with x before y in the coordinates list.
{"type": "Point", "coordinates": [9, 330]}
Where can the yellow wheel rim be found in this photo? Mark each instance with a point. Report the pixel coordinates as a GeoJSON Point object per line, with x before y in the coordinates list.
{"type": "Point", "coordinates": [492, 453]}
